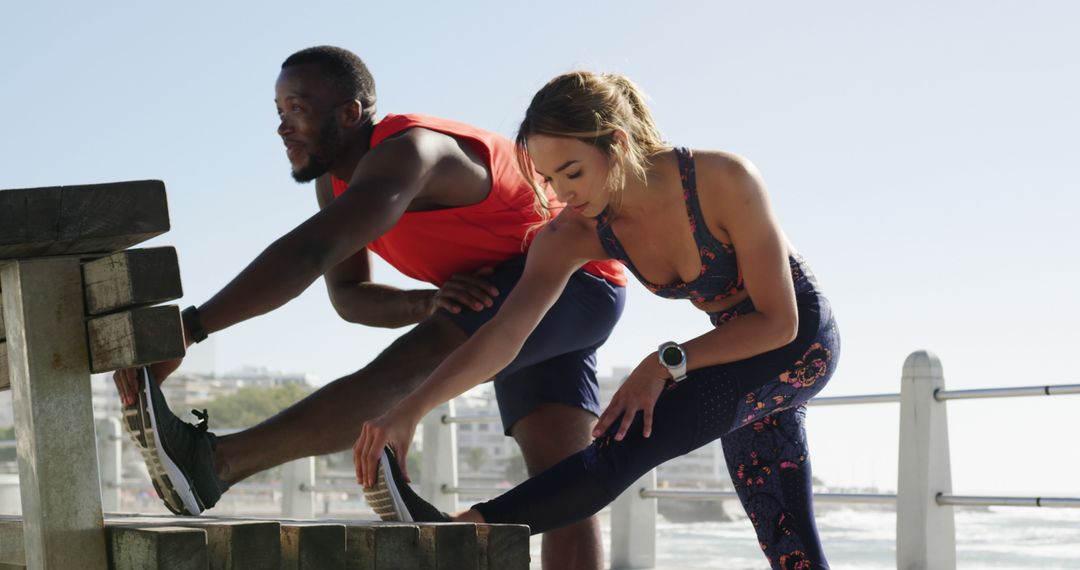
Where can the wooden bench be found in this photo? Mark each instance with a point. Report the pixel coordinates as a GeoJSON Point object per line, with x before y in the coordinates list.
{"type": "Point", "coordinates": [141, 542]}
{"type": "Point", "coordinates": [76, 301]}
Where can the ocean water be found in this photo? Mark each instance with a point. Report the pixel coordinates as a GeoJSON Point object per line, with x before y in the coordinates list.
{"type": "Point", "coordinates": [865, 539]}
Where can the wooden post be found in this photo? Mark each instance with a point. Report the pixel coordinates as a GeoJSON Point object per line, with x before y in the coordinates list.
{"type": "Point", "coordinates": [387, 546]}
{"type": "Point", "coordinates": [176, 548]}
{"type": "Point", "coordinates": [440, 459]}
{"type": "Point", "coordinates": [633, 526]}
{"type": "Point", "coordinates": [455, 545]}
{"type": "Point", "coordinates": [12, 549]}
{"type": "Point", "coordinates": [54, 418]}
{"type": "Point", "coordinates": [503, 546]}
{"type": "Point", "coordinates": [311, 546]}
{"type": "Point", "coordinates": [110, 443]}
{"type": "Point", "coordinates": [5, 377]}
{"type": "Point", "coordinates": [925, 531]}
{"type": "Point", "coordinates": [238, 545]}
{"type": "Point", "coordinates": [298, 498]}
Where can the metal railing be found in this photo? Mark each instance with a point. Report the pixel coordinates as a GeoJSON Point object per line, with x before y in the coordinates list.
{"type": "Point", "coordinates": [925, 531]}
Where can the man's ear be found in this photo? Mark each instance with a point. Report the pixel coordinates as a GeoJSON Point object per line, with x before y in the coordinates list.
{"type": "Point", "coordinates": [351, 113]}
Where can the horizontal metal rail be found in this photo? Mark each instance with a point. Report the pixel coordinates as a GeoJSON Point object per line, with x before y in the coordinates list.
{"type": "Point", "coordinates": [1054, 390]}
{"type": "Point", "coordinates": [830, 401]}
{"type": "Point", "coordinates": [976, 501]}
{"type": "Point", "coordinates": [849, 400]}
{"type": "Point", "coordinates": [447, 489]}
{"type": "Point", "coordinates": [703, 495]}
{"type": "Point", "coordinates": [354, 489]}
{"type": "Point", "coordinates": [478, 419]}
{"type": "Point", "coordinates": [239, 487]}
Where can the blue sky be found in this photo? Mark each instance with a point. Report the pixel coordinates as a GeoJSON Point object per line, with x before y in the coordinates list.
{"type": "Point", "coordinates": [920, 155]}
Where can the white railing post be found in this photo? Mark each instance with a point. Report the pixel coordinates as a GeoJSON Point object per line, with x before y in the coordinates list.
{"type": "Point", "coordinates": [925, 531]}
{"type": "Point", "coordinates": [110, 442]}
{"type": "Point", "coordinates": [298, 494]}
{"type": "Point", "coordinates": [633, 526]}
{"type": "Point", "coordinates": [440, 459]}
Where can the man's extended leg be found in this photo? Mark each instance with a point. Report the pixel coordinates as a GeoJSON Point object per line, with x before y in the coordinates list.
{"type": "Point", "coordinates": [329, 420]}
{"type": "Point", "coordinates": [549, 434]}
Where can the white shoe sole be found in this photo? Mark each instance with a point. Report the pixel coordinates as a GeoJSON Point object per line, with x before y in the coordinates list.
{"type": "Point", "coordinates": [169, 481]}
{"type": "Point", "coordinates": [384, 498]}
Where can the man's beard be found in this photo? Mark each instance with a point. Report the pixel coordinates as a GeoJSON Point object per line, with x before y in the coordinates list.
{"type": "Point", "coordinates": [322, 157]}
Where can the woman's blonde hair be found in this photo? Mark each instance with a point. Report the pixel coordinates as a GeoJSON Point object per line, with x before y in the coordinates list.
{"type": "Point", "coordinates": [591, 107]}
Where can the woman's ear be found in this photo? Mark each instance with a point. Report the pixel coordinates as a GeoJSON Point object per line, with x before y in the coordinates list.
{"type": "Point", "coordinates": [620, 140]}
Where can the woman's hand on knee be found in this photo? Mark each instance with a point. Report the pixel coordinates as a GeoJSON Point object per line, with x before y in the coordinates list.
{"type": "Point", "coordinates": [638, 393]}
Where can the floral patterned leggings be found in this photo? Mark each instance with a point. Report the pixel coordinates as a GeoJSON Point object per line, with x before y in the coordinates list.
{"type": "Point", "coordinates": [757, 409]}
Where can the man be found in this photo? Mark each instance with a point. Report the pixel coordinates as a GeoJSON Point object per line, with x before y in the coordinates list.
{"type": "Point", "coordinates": [442, 202]}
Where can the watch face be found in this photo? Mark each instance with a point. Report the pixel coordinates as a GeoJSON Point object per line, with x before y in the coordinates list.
{"type": "Point", "coordinates": [672, 356]}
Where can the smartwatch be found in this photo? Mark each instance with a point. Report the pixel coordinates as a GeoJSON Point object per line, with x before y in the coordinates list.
{"type": "Point", "coordinates": [673, 357]}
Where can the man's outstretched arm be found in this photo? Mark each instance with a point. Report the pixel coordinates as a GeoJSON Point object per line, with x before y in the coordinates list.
{"type": "Point", "coordinates": [386, 182]}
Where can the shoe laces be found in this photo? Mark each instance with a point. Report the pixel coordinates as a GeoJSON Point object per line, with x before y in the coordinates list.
{"type": "Point", "coordinates": [204, 417]}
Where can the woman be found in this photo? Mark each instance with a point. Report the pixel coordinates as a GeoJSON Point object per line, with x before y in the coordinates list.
{"type": "Point", "coordinates": [676, 218]}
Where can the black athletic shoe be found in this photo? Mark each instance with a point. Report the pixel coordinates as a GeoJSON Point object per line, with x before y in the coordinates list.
{"type": "Point", "coordinates": [178, 455]}
{"type": "Point", "coordinates": [393, 500]}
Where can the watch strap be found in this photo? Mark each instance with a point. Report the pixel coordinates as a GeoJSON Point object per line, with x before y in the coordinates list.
{"type": "Point", "coordinates": [193, 324]}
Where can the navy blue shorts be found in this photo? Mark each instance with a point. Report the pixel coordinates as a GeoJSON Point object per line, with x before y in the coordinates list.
{"type": "Point", "coordinates": [558, 362]}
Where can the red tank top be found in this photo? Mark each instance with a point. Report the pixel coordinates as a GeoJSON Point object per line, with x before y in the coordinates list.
{"type": "Point", "coordinates": [433, 245]}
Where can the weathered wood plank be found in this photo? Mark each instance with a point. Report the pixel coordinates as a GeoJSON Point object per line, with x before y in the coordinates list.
{"type": "Point", "coordinates": [244, 545]}
{"type": "Point", "coordinates": [61, 501]}
{"type": "Point", "coordinates": [91, 218]}
{"type": "Point", "coordinates": [503, 546]}
{"type": "Point", "coordinates": [5, 376]}
{"type": "Point", "coordinates": [231, 544]}
{"type": "Point", "coordinates": [312, 546]}
{"type": "Point", "coordinates": [135, 337]}
{"type": "Point", "coordinates": [132, 278]}
{"type": "Point", "coordinates": [11, 541]}
{"type": "Point", "coordinates": [178, 548]}
{"type": "Point", "coordinates": [387, 546]}
{"type": "Point", "coordinates": [455, 545]}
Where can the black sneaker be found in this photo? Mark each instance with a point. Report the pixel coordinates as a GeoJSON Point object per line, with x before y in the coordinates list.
{"type": "Point", "coordinates": [178, 455]}
{"type": "Point", "coordinates": [393, 500]}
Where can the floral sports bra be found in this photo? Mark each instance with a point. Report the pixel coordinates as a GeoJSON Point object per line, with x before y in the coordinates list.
{"type": "Point", "coordinates": [719, 277]}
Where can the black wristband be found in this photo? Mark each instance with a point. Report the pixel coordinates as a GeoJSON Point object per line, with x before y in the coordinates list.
{"type": "Point", "coordinates": [193, 324]}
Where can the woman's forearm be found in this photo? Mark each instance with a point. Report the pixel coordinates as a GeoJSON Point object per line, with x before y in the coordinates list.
{"type": "Point", "coordinates": [749, 335]}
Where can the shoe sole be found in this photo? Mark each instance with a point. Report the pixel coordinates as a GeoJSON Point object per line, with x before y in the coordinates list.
{"type": "Point", "coordinates": [173, 488]}
{"type": "Point", "coordinates": [385, 499]}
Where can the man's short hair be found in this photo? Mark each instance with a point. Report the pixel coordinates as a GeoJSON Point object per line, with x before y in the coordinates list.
{"type": "Point", "coordinates": [348, 72]}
